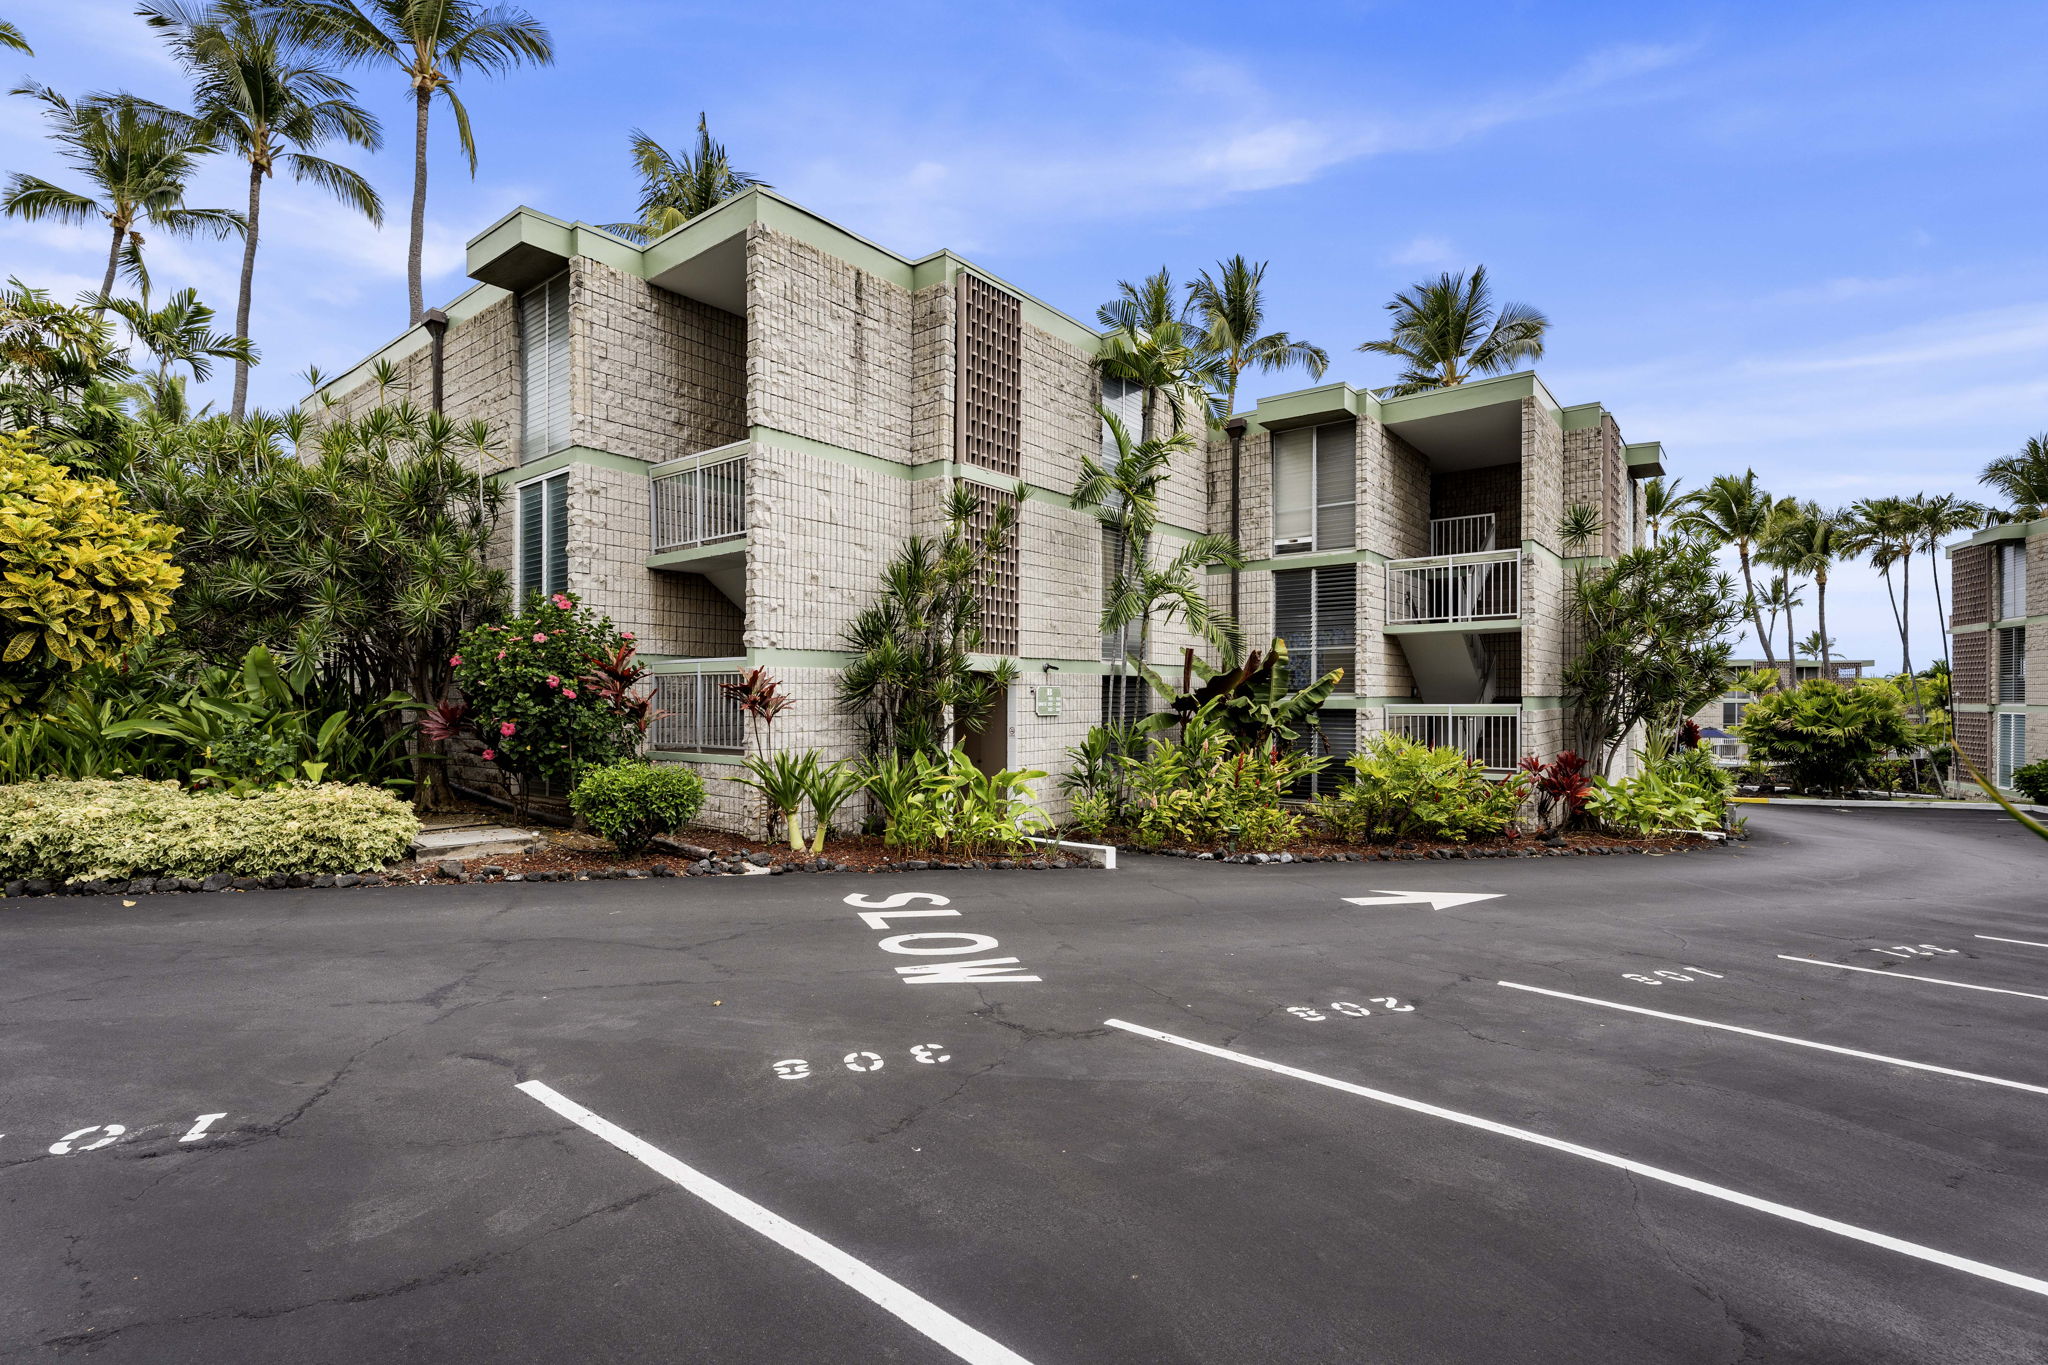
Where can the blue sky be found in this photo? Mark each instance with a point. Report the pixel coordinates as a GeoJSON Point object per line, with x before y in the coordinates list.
{"type": "Point", "coordinates": [1800, 237]}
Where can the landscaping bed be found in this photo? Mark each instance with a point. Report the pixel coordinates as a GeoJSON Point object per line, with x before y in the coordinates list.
{"type": "Point", "coordinates": [1573, 844]}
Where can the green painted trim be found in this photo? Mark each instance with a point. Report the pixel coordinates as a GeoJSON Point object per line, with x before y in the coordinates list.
{"type": "Point", "coordinates": [1992, 708]}
{"type": "Point", "coordinates": [1538, 547]}
{"type": "Point", "coordinates": [1323, 403]}
{"type": "Point", "coordinates": [2010, 530]}
{"type": "Point", "coordinates": [1477, 393]}
{"type": "Point", "coordinates": [682, 464]}
{"type": "Point", "coordinates": [1501, 625]}
{"type": "Point", "coordinates": [697, 554]}
{"type": "Point", "coordinates": [1643, 458]}
{"type": "Point", "coordinates": [1580, 416]}
{"type": "Point", "coordinates": [562, 459]}
{"type": "Point", "coordinates": [686, 756]}
{"type": "Point", "coordinates": [1456, 708]}
{"type": "Point", "coordinates": [1307, 561]}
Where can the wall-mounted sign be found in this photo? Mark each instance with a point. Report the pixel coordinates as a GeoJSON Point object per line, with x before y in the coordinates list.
{"type": "Point", "coordinates": [1049, 701]}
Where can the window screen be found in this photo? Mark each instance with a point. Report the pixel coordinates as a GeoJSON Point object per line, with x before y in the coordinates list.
{"type": "Point", "coordinates": [2012, 579]}
{"type": "Point", "coordinates": [1315, 474]}
{"type": "Point", "coordinates": [2012, 663]}
{"type": "Point", "coordinates": [544, 367]}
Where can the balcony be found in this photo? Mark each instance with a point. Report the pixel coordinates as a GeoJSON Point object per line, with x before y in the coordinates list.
{"type": "Point", "coordinates": [701, 505]}
{"type": "Point", "coordinates": [1461, 535]}
{"type": "Point", "coordinates": [1491, 734]}
{"type": "Point", "coordinates": [693, 714]}
{"type": "Point", "coordinates": [1455, 589]}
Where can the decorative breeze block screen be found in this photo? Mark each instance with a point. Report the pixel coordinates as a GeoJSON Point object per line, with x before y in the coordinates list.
{"type": "Point", "coordinates": [988, 413]}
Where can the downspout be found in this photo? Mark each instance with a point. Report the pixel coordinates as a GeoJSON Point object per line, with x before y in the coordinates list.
{"type": "Point", "coordinates": [1236, 427]}
{"type": "Point", "coordinates": [436, 323]}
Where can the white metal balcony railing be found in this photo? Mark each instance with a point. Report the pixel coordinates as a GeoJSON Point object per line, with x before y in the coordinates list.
{"type": "Point", "coordinates": [1474, 587]}
{"type": "Point", "coordinates": [700, 505]}
{"type": "Point", "coordinates": [1492, 734]}
{"type": "Point", "coordinates": [1461, 535]}
{"type": "Point", "coordinates": [694, 715]}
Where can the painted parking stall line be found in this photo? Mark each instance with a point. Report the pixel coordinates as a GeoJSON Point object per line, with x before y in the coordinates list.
{"type": "Point", "coordinates": [1909, 976]}
{"type": "Point", "coordinates": [1915, 1250]}
{"type": "Point", "coordinates": [1779, 1038]}
{"type": "Point", "coordinates": [2023, 942]}
{"type": "Point", "coordinates": [934, 1322]}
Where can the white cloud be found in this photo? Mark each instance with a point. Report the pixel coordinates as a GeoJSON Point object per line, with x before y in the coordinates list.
{"type": "Point", "coordinates": [1425, 250]}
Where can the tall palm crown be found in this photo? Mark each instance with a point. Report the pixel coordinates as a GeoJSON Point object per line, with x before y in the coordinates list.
{"type": "Point", "coordinates": [433, 42]}
{"type": "Point", "coordinates": [674, 189]}
{"type": "Point", "coordinates": [1155, 342]}
{"type": "Point", "coordinates": [1231, 310]}
{"type": "Point", "coordinates": [1885, 531]}
{"type": "Point", "coordinates": [137, 158]}
{"type": "Point", "coordinates": [1734, 512]}
{"type": "Point", "coordinates": [1448, 330]}
{"type": "Point", "coordinates": [1803, 541]}
{"type": "Point", "coordinates": [1661, 502]}
{"type": "Point", "coordinates": [1934, 520]}
{"type": "Point", "coordinates": [2022, 479]}
{"type": "Point", "coordinates": [263, 92]}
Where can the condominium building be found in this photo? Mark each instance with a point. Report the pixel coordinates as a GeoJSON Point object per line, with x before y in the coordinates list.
{"type": "Point", "coordinates": [722, 437]}
{"type": "Point", "coordinates": [2000, 582]}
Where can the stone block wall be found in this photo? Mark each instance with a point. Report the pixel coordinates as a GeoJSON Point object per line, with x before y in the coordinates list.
{"type": "Point", "coordinates": [1059, 391]}
{"type": "Point", "coordinates": [1542, 475]}
{"type": "Point", "coordinates": [652, 374]}
{"type": "Point", "coordinates": [691, 617]}
{"type": "Point", "coordinates": [934, 321]}
{"type": "Point", "coordinates": [828, 348]}
{"type": "Point", "coordinates": [1595, 477]}
{"type": "Point", "coordinates": [819, 533]}
{"type": "Point", "coordinates": [1543, 625]}
{"type": "Point", "coordinates": [1394, 494]}
{"type": "Point", "coordinates": [1474, 492]}
{"type": "Point", "coordinates": [608, 539]}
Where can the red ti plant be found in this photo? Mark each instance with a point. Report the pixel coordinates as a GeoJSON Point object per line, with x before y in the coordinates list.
{"type": "Point", "coordinates": [761, 699]}
{"type": "Point", "coordinates": [612, 681]}
{"type": "Point", "coordinates": [1562, 787]}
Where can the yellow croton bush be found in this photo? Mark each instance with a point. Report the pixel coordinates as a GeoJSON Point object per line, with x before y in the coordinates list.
{"type": "Point", "coordinates": [82, 576]}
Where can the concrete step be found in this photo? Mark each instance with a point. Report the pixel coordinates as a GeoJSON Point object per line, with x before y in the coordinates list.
{"type": "Point", "coordinates": [486, 841]}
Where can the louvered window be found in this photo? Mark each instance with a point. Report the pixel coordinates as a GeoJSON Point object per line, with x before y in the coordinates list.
{"type": "Point", "coordinates": [1335, 735]}
{"type": "Point", "coordinates": [1122, 642]}
{"type": "Point", "coordinates": [1126, 402]}
{"type": "Point", "coordinates": [544, 537]}
{"type": "Point", "coordinates": [544, 367]}
{"type": "Point", "coordinates": [2012, 745]}
{"type": "Point", "coordinates": [1126, 699]}
{"type": "Point", "coordinates": [2012, 579]}
{"type": "Point", "coordinates": [1316, 612]}
{"type": "Point", "coordinates": [1315, 476]}
{"type": "Point", "coordinates": [2012, 664]}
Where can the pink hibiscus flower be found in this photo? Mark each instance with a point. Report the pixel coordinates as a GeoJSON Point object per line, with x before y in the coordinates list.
{"type": "Point", "coordinates": [540, 637]}
{"type": "Point", "coordinates": [490, 754]}
{"type": "Point", "coordinates": [569, 693]}
{"type": "Point", "coordinates": [508, 729]}
{"type": "Point", "coordinates": [455, 661]}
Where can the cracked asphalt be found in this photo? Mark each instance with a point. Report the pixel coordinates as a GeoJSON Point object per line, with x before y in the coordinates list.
{"type": "Point", "coordinates": [375, 1188]}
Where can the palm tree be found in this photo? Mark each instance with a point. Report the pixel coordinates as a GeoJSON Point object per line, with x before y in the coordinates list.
{"type": "Point", "coordinates": [181, 333]}
{"type": "Point", "coordinates": [262, 92]}
{"type": "Point", "coordinates": [1661, 501]}
{"type": "Point", "coordinates": [1231, 312]}
{"type": "Point", "coordinates": [1808, 544]}
{"type": "Point", "coordinates": [674, 189]}
{"type": "Point", "coordinates": [2022, 478]}
{"type": "Point", "coordinates": [1936, 519]}
{"type": "Point", "coordinates": [1734, 511]}
{"type": "Point", "coordinates": [1778, 549]}
{"type": "Point", "coordinates": [137, 158]}
{"type": "Point", "coordinates": [1884, 530]}
{"type": "Point", "coordinates": [432, 42]}
{"type": "Point", "coordinates": [10, 37]}
{"type": "Point", "coordinates": [1447, 330]}
{"type": "Point", "coordinates": [1155, 342]}
{"type": "Point", "coordinates": [1124, 496]}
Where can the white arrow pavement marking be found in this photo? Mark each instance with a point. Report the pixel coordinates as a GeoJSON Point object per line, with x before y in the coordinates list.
{"type": "Point", "coordinates": [1436, 900]}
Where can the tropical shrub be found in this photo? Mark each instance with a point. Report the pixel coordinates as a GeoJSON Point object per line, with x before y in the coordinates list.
{"type": "Point", "coordinates": [1098, 768]}
{"type": "Point", "coordinates": [534, 694]}
{"type": "Point", "coordinates": [630, 802]}
{"type": "Point", "coordinates": [947, 805]}
{"type": "Point", "coordinates": [831, 786]}
{"type": "Point", "coordinates": [82, 576]}
{"type": "Point", "coordinates": [1663, 798]}
{"type": "Point", "coordinates": [2031, 781]}
{"type": "Point", "coordinates": [1400, 789]}
{"type": "Point", "coordinates": [784, 779]}
{"type": "Point", "coordinates": [1823, 735]}
{"type": "Point", "coordinates": [137, 828]}
{"type": "Point", "coordinates": [1204, 789]}
{"type": "Point", "coordinates": [1257, 701]}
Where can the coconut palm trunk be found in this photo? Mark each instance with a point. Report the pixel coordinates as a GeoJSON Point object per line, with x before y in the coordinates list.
{"type": "Point", "coordinates": [415, 250]}
{"type": "Point", "coordinates": [113, 259]}
{"type": "Point", "coordinates": [255, 211]}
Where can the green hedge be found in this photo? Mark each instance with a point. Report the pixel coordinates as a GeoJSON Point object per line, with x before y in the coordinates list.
{"type": "Point", "coordinates": [630, 802]}
{"type": "Point", "coordinates": [136, 828]}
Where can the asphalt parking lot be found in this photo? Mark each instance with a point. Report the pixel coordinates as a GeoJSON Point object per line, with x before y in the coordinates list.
{"type": "Point", "coordinates": [1775, 1103]}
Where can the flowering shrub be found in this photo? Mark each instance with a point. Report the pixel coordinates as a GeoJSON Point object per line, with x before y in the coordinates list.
{"type": "Point", "coordinates": [1562, 788]}
{"type": "Point", "coordinates": [136, 828]}
{"type": "Point", "coordinates": [550, 691]}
